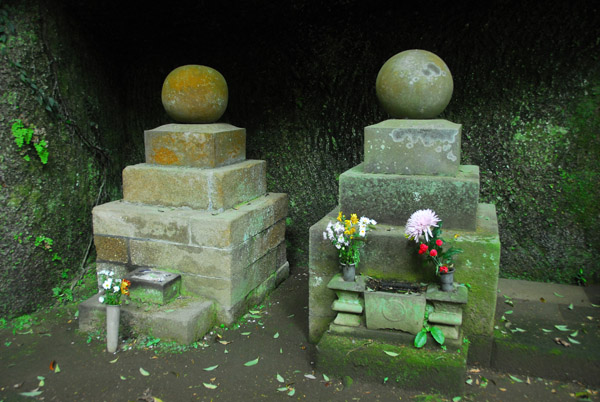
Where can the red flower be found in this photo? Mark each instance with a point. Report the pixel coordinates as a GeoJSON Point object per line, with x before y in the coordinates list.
{"type": "Point", "coordinates": [423, 248]}
{"type": "Point", "coordinates": [443, 269]}
{"type": "Point", "coordinates": [439, 242]}
{"type": "Point", "coordinates": [433, 253]}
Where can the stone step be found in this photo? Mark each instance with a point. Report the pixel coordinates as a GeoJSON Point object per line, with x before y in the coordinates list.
{"type": "Point", "coordinates": [413, 147]}
{"type": "Point", "coordinates": [195, 145]}
{"type": "Point", "coordinates": [372, 358]}
{"type": "Point", "coordinates": [215, 189]}
{"type": "Point", "coordinates": [387, 255]}
{"type": "Point", "coordinates": [185, 320]}
{"type": "Point", "coordinates": [392, 198]}
{"type": "Point", "coordinates": [527, 341]}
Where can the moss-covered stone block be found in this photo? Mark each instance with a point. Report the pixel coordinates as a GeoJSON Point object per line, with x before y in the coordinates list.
{"type": "Point", "coordinates": [392, 198]}
{"type": "Point", "coordinates": [153, 286]}
{"type": "Point", "coordinates": [413, 147]}
{"type": "Point", "coordinates": [226, 262]}
{"type": "Point", "coordinates": [417, 369]}
{"type": "Point", "coordinates": [210, 189]}
{"type": "Point", "coordinates": [190, 227]}
{"type": "Point", "coordinates": [195, 145]}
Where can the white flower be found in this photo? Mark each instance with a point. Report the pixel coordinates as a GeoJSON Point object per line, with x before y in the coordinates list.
{"type": "Point", "coordinates": [116, 289]}
{"type": "Point", "coordinates": [420, 223]}
{"type": "Point", "coordinates": [372, 222]}
{"type": "Point", "coordinates": [338, 246]}
{"type": "Point", "coordinates": [362, 232]}
{"type": "Point", "coordinates": [107, 284]}
{"type": "Point", "coordinates": [101, 299]}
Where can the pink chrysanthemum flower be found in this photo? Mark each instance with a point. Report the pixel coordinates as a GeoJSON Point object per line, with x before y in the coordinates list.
{"type": "Point", "coordinates": [420, 223]}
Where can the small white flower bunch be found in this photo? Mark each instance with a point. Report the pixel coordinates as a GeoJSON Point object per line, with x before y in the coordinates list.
{"type": "Point", "coordinates": [113, 287]}
{"type": "Point", "coordinates": [345, 235]}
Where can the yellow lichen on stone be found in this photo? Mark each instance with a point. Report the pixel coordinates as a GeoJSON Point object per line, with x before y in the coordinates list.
{"type": "Point", "coordinates": [195, 94]}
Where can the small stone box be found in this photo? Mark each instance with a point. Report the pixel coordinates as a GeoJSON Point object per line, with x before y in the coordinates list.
{"type": "Point", "coordinates": [153, 286]}
{"type": "Point", "coordinates": [413, 147]}
{"type": "Point", "coordinates": [195, 145]}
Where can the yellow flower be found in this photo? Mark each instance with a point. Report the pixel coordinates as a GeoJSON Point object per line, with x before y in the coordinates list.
{"type": "Point", "coordinates": [340, 216]}
{"type": "Point", "coordinates": [352, 230]}
{"type": "Point", "coordinates": [346, 232]}
{"type": "Point", "coordinates": [347, 223]}
{"type": "Point", "coordinates": [354, 219]}
{"type": "Point", "coordinates": [125, 287]}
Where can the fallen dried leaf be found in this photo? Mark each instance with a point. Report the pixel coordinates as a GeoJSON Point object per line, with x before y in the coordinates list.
{"type": "Point", "coordinates": [562, 342]}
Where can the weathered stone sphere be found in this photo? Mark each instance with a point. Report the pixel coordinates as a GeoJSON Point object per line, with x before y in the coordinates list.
{"type": "Point", "coordinates": [414, 84]}
{"type": "Point", "coordinates": [195, 94]}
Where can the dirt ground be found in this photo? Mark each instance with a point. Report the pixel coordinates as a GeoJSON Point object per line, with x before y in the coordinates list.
{"type": "Point", "coordinates": [223, 367]}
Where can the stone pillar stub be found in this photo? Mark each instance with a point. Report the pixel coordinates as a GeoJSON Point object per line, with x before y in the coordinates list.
{"type": "Point", "coordinates": [195, 145]}
{"type": "Point", "coordinates": [413, 147]}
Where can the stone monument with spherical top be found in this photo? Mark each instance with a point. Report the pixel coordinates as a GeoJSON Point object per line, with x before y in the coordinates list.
{"type": "Point", "coordinates": [414, 84]}
{"type": "Point", "coordinates": [195, 94]}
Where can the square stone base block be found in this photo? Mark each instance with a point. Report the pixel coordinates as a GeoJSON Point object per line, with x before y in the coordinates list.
{"type": "Point", "coordinates": [195, 145]}
{"type": "Point", "coordinates": [392, 198]}
{"type": "Point", "coordinates": [424, 369]}
{"type": "Point", "coordinates": [413, 147]}
{"type": "Point", "coordinates": [185, 320]}
{"type": "Point", "coordinates": [210, 189]}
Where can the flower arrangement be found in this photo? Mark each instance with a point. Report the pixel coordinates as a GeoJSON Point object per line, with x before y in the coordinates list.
{"type": "Point", "coordinates": [113, 288]}
{"type": "Point", "coordinates": [347, 235]}
{"type": "Point", "coordinates": [425, 224]}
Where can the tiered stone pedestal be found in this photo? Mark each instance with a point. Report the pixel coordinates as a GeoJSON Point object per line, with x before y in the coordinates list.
{"type": "Point", "coordinates": [196, 209]}
{"type": "Point", "coordinates": [409, 165]}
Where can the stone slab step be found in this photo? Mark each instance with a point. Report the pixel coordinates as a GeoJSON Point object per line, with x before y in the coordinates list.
{"type": "Point", "coordinates": [185, 320]}
{"type": "Point", "coordinates": [215, 189]}
{"type": "Point", "coordinates": [392, 198]}
{"type": "Point", "coordinates": [195, 145]}
{"type": "Point", "coordinates": [416, 369]}
{"type": "Point", "coordinates": [525, 336]}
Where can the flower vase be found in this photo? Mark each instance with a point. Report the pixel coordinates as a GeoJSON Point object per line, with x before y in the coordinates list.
{"type": "Point", "coordinates": [447, 280]}
{"type": "Point", "coordinates": [349, 272]}
{"type": "Point", "coordinates": [113, 316]}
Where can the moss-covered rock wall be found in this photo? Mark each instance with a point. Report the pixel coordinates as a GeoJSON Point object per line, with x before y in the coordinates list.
{"type": "Point", "coordinates": [301, 80]}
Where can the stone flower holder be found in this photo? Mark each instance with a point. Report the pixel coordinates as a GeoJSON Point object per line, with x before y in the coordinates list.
{"type": "Point", "coordinates": [113, 317]}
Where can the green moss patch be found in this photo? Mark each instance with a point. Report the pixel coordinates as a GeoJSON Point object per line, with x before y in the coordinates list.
{"type": "Point", "coordinates": [406, 366]}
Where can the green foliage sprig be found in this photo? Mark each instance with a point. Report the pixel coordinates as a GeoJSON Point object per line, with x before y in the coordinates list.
{"type": "Point", "coordinates": [436, 332]}
{"type": "Point", "coordinates": [28, 136]}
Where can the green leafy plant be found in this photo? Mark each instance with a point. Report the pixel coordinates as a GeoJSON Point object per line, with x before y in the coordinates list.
{"type": "Point", "coordinates": [347, 235]}
{"type": "Point", "coordinates": [28, 136]}
{"type": "Point", "coordinates": [436, 332]}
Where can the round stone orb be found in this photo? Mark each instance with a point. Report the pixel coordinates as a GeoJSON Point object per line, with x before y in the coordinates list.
{"type": "Point", "coordinates": [195, 94]}
{"type": "Point", "coordinates": [414, 84]}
